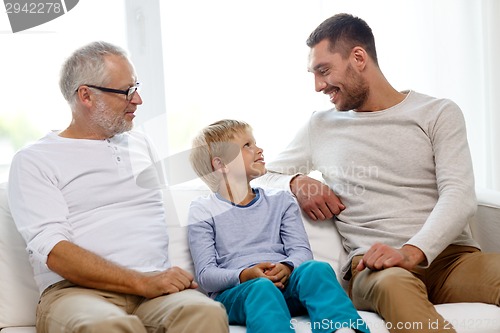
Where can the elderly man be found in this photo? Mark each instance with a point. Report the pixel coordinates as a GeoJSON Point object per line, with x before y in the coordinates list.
{"type": "Point", "coordinates": [97, 240]}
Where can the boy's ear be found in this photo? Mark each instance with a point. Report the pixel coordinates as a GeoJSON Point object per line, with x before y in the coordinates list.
{"type": "Point", "coordinates": [219, 165]}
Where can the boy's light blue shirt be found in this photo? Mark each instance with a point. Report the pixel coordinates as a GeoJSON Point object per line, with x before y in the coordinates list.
{"type": "Point", "coordinates": [225, 238]}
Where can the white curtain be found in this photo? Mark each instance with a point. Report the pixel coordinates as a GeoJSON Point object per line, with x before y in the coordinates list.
{"type": "Point", "coordinates": [247, 60]}
{"type": "Point", "coordinates": [491, 25]}
{"type": "Point", "coordinates": [200, 61]}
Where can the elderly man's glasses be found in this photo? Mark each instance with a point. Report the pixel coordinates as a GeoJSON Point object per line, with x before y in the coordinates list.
{"type": "Point", "coordinates": [128, 92]}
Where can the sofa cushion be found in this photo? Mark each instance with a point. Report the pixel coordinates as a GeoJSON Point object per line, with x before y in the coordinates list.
{"type": "Point", "coordinates": [471, 317]}
{"type": "Point", "coordinates": [23, 329]}
{"type": "Point", "coordinates": [18, 292]}
{"type": "Point", "coordinates": [19, 295]}
{"type": "Point", "coordinates": [177, 200]}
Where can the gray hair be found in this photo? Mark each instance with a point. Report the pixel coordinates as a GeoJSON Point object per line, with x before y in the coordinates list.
{"type": "Point", "coordinates": [86, 66]}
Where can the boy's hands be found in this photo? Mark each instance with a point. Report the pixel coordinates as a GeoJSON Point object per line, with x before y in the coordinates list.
{"type": "Point", "coordinates": [278, 273]}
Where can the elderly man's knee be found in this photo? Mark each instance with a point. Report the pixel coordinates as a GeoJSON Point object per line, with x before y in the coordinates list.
{"type": "Point", "coordinates": [203, 315]}
{"type": "Point", "coordinates": [213, 310]}
{"type": "Point", "coordinates": [118, 324]}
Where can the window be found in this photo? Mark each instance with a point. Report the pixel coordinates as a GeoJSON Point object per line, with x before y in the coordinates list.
{"type": "Point", "coordinates": [238, 59]}
{"type": "Point", "coordinates": [201, 61]}
{"type": "Point", "coordinates": [32, 103]}
{"type": "Point", "coordinates": [247, 60]}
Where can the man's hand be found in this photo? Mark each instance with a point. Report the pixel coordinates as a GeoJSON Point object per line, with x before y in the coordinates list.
{"type": "Point", "coordinates": [316, 199]}
{"type": "Point", "coordinates": [171, 281]}
{"type": "Point", "coordinates": [381, 256]}
{"type": "Point", "coordinates": [277, 273]}
{"type": "Point", "coordinates": [87, 269]}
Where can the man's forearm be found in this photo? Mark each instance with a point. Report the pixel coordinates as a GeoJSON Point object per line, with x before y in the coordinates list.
{"type": "Point", "coordinates": [273, 179]}
{"type": "Point", "coordinates": [87, 269]}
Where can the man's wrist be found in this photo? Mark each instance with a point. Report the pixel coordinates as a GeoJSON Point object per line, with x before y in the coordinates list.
{"type": "Point", "coordinates": [293, 181]}
{"type": "Point", "coordinates": [413, 254]}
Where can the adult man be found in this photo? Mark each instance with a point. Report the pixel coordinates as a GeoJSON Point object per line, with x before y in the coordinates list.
{"type": "Point", "coordinates": [97, 239]}
{"type": "Point", "coordinates": [403, 187]}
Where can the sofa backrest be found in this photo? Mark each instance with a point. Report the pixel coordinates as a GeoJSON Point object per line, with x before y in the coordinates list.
{"type": "Point", "coordinates": [485, 225]}
{"type": "Point", "coordinates": [18, 291]}
{"type": "Point", "coordinates": [19, 294]}
{"type": "Point", "coordinates": [323, 236]}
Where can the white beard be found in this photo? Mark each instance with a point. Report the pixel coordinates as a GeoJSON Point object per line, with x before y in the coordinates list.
{"type": "Point", "coordinates": [111, 122]}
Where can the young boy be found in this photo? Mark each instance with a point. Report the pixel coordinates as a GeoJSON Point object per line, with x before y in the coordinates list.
{"type": "Point", "coordinates": [249, 246]}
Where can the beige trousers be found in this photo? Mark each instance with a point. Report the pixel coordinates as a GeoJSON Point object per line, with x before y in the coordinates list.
{"type": "Point", "coordinates": [405, 299]}
{"type": "Point", "coordinates": [66, 308]}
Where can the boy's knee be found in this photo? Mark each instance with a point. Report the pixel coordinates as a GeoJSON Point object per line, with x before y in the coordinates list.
{"type": "Point", "coordinates": [261, 283]}
{"type": "Point", "coordinates": [317, 268]}
{"type": "Point", "coordinates": [261, 289]}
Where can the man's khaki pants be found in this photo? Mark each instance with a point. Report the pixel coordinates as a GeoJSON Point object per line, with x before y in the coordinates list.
{"type": "Point", "coordinates": [65, 307]}
{"type": "Point", "coordinates": [405, 299]}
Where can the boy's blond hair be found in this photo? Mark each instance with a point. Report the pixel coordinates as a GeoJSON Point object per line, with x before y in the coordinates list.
{"type": "Point", "coordinates": [215, 141]}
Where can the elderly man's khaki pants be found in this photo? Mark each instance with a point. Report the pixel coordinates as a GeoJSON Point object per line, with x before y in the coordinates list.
{"type": "Point", "coordinates": [65, 307]}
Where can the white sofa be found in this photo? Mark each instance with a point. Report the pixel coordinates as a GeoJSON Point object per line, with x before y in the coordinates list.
{"type": "Point", "coordinates": [19, 296]}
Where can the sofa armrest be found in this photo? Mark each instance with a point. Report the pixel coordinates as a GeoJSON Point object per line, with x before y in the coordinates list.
{"type": "Point", "coordinates": [485, 225]}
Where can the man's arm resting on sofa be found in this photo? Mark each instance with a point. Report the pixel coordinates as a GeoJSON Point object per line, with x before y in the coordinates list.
{"type": "Point", "coordinates": [87, 269]}
{"type": "Point", "coordinates": [315, 198]}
